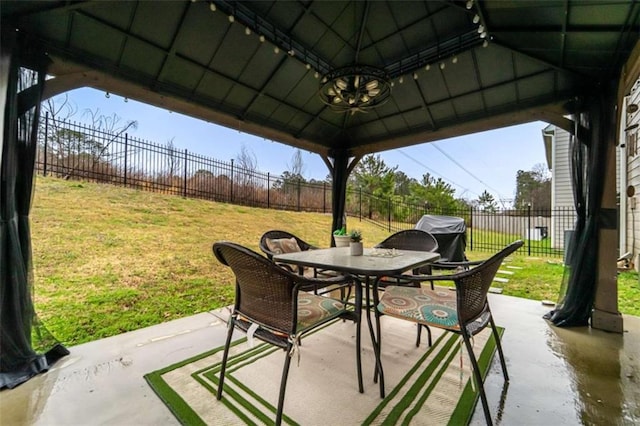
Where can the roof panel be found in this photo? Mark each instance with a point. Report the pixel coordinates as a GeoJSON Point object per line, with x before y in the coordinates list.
{"type": "Point", "coordinates": [181, 73]}
{"type": "Point", "coordinates": [95, 38]}
{"type": "Point", "coordinates": [212, 64]}
{"type": "Point", "coordinates": [142, 58]}
{"type": "Point", "coordinates": [203, 25]}
{"type": "Point", "coordinates": [167, 17]}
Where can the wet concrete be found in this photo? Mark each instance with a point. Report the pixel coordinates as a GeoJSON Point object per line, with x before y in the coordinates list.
{"type": "Point", "coordinates": [563, 376]}
{"type": "Point", "coordinates": [558, 376]}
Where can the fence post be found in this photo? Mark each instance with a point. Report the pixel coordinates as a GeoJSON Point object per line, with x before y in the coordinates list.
{"type": "Point", "coordinates": [471, 226]}
{"type": "Point", "coordinates": [298, 194]}
{"type": "Point", "coordinates": [529, 229]}
{"type": "Point", "coordinates": [126, 157]}
{"type": "Point", "coordinates": [46, 136]}
{"type": "Point", "coordinates": [389, 214]}
{"type": "Point", "coordinates": [360, 204]}
{"type": "Point", "coordinates": [324, 197]}
{"type": "Point", "coordinates": [231, 193]}
{"type": "Point", "coordinates": [268, 191]}
{"type": "Point", "coordinates": [184, 183]}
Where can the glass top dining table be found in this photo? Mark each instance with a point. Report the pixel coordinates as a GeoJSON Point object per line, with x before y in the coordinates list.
{"type": "Point", "coordinates": [365, 269]}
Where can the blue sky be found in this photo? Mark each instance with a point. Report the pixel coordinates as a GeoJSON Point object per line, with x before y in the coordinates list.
{"type": "Point", "coordinates": [471, 164]}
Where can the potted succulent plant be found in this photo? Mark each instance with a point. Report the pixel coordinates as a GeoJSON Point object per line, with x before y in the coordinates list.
{"type": "Point", "coordinates": [341, 237]}
{"type": "Point", "coordinates": [355, 243]}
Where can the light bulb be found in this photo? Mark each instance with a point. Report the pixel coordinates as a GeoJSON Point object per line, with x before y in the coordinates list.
{"type": "Point", "coordinates": [476, 19]}
{"type": "Point", "coordinates": [401, 80]}
{"type": "Point", "coordinates": [485, 43]}
{"type": "Point", "coordinates": [231, 19]}
{"type": "Point", "coordinates": [212, 7]}
{"type": "Point", "coordinates": [261, 38]}
{"type": "Point", "coordinates": [276, 50]}
{"type": "Point", "coordinates": [427, 67]}
{"type": "Point", "coordinates": [247, 31]}
{"type": "Point", "coordinates": [480, 29]}
{"type": "Point", "coordinates": [316, 74]}
{"type": "Point", "coordinates": [308, 66]}
{"type": "Point", "coordinates": [371, 84]}
{"type": "Point", "coordinates": [454, 60]}
{"type": "Point", "coordinates": [469, 4]}
{"type": "Point", "coordinates": [415, 75]}
{"type": "Point", "coordinates": [442, 65]}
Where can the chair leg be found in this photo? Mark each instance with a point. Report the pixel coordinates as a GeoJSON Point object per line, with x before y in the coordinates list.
{"type": "Point", "coordinates": [283, 384]}
{"type": "Point", "coordinates": [496, 336]}
{"type": "Point", "coordinates": [478, 378]}
{"type": "Point", "coordinates": [225, 355]}
{"type": "Point", "coordinates": [429, 341]}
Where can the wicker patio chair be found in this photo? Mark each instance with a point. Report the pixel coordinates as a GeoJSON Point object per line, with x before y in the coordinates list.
{"type": "Point", "coordinates": [278, 242]}
{"type": "Point", "coordinates": [280, 303]}
{"type": "Point", "coordinates": [465, 311]}
{"type": "Point", "coordinates": [409, 239]}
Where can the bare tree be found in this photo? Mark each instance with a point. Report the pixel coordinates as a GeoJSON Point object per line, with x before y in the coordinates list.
{"type": "Point", "coordinates": [296, 167]}
{"type": "Point", "coordinates": [173, 160]}
{"type": "Point", "coordinates": [246, 159]}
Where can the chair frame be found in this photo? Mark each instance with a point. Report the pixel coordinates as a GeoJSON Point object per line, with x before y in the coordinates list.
{"type": "Point", "coordinates": [277, 315]}
{"type": "Point", "coordinates": [277, 234]}
{"type": "Point", "coordinates": [473, 310]}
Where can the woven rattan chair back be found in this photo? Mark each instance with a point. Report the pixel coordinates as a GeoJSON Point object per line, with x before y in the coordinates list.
{"type": "Point", "coordinates": [264, 291]}
{"type": "Point", "coordinates": [277, 234]}
{"type": "Point", "coordinates": [410, 239]}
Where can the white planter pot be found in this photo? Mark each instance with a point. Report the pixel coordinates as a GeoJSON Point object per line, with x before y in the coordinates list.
{"type": "Point", "coordinates": [342, 240]}
{"type": "Point", "coordinates": [356, 249]}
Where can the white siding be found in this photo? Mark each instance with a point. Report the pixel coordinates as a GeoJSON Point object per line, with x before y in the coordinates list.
{"type": "Point", "coordinates": [561, 187]}
{"type": "Point", "coordinates": [632, 151]}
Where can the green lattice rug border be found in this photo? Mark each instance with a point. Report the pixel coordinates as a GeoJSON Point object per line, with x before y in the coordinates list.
{"type": "Point", "coordinates": [396, 403]}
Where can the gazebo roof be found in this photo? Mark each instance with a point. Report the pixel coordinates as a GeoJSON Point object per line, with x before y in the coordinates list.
{"type": "Point", "coordinates": [257, 65]}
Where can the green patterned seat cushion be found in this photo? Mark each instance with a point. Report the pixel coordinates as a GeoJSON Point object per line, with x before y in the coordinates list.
{"type": "Point", "coordinates": [313, 309]}
{"type": "Point", "coordinates": [425, 306]}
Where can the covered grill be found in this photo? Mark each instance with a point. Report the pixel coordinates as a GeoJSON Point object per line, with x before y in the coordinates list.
{"type": "Point", "coordinates": [450, 232]}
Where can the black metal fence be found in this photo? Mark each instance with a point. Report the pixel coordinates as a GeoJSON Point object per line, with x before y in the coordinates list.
{"type": "Point", "coordinates": [75, 151]}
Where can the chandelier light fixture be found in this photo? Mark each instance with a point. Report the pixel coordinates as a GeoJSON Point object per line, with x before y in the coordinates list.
{"type": "Point", "coordinates": [355, 88]}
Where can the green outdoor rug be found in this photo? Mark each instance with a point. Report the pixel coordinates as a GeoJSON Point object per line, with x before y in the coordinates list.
{"type": "Point", "coordinates": [423, 385]}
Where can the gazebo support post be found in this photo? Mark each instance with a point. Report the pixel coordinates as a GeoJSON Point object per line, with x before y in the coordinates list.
{"type": "Point", "coordinates": [605, 314]}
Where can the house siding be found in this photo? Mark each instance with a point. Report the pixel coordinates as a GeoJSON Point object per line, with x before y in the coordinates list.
{"type": "Point", "coordinates": [631, 151]}
{"type": "Point", "coordinates": [561, 187]}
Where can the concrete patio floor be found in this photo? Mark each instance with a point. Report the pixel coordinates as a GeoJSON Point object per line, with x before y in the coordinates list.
{"type": "Point", "coordinates": [558, 376]}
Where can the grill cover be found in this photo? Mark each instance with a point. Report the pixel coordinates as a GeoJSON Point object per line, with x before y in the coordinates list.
{"type": "Point", "coordinates": [450, 232]}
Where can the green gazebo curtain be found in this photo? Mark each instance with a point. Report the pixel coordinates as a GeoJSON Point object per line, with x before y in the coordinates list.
{"type": "Point", "coordinates": [21, 334]}
{"type": "Point", "coordinates": [588, 165]}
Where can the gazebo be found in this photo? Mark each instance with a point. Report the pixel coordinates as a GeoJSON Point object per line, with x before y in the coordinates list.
{"type": "Point", "coordinates": [338, 78]}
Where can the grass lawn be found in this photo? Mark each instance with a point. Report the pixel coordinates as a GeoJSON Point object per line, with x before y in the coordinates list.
{"type": "Point", "coordinates": [109, 260]}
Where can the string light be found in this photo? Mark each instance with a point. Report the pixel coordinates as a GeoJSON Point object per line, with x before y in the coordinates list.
{"type": "Point", "coordinates": [442, 65]}
{"type": "Point", "coordinates": [476, 19]}
{"type": "Point", "coordinates": [485, 43]}
{"type": "Point", "coordinates": [401, 80]}
{"type": "Point", "coordinates": [454, 60]}
{"type": "Point", "coordinates": [261, 38]}
{"type": "Point", "coordinates": [469, 4]}
{"type": "Point", "coordinates": [427, 67]}
{"type": "Point", "coordinates": [212, 7]}
{"type": "Point", "coordinates": [231, 19]}
{"type": "Point", "coordinates": [247, 31]}
{"type": "Point", "coordinates": [415, 75]}
{"type": "Point", "coordinates": [276, 50]}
